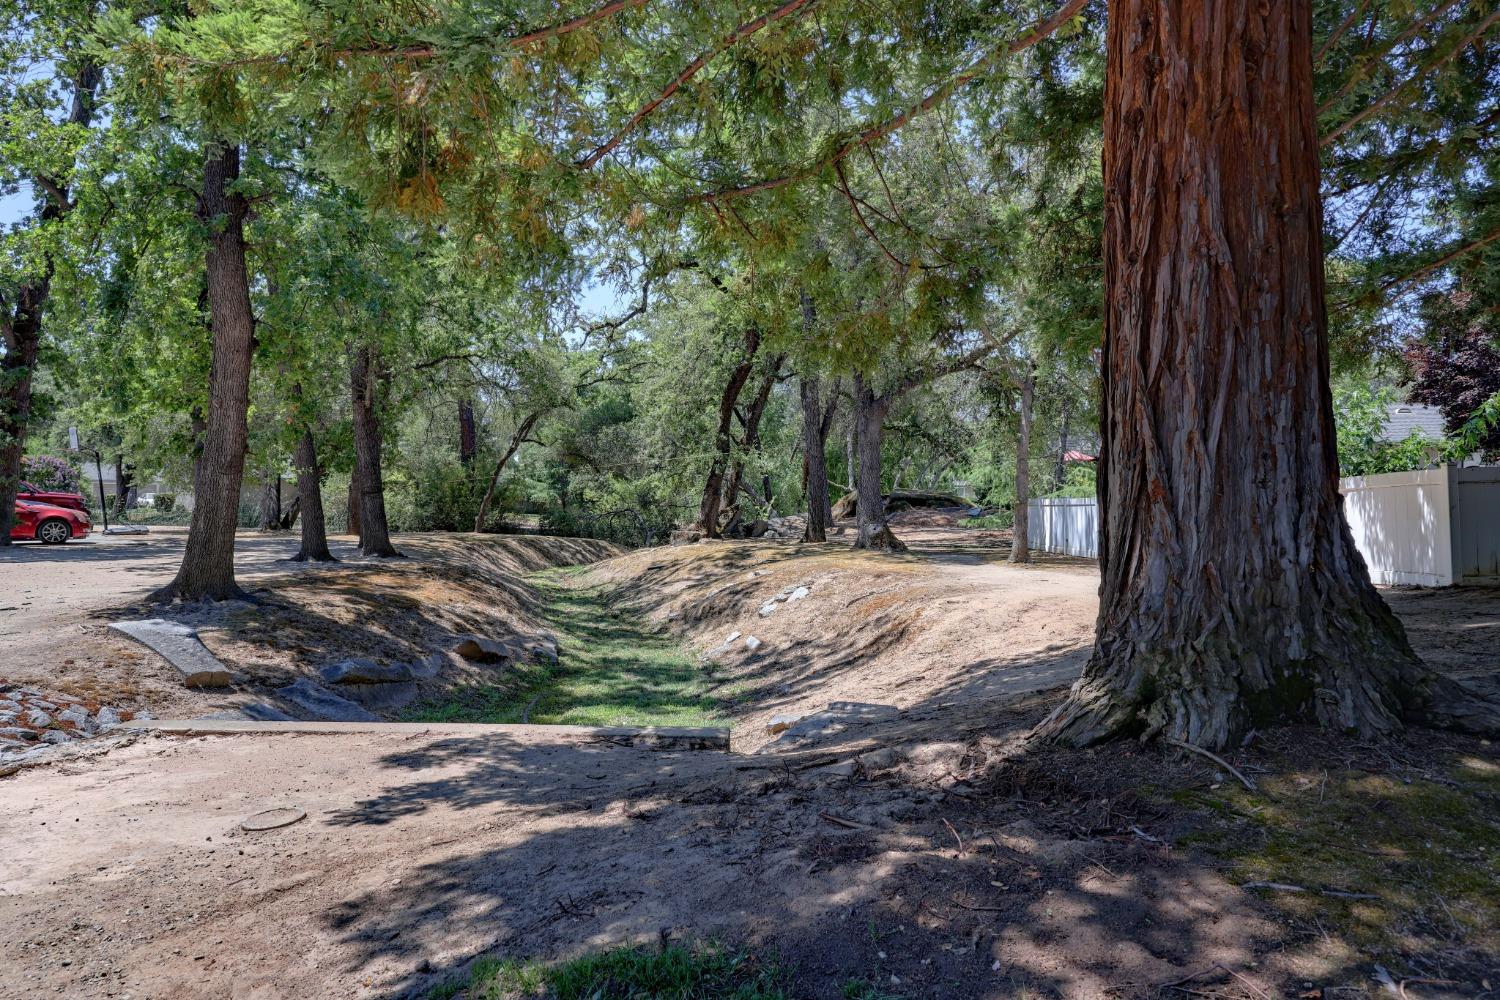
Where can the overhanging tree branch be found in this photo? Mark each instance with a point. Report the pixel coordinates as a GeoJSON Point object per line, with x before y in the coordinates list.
{"type": "Point", "coordinates": [430, 51]}
{"type": "Point", "coordinates": [1446, 258]}
{"type": "Point", "coordinates": [692, 69]}
{"type": "Point", "coordinates": [1397, 90]}
{"type": "Point", "coordinates": [1338, 32]}
{"type": "Point", "coordinates": [1367, 57]}
{"type": "Point", "coordinates": [1039, 31]}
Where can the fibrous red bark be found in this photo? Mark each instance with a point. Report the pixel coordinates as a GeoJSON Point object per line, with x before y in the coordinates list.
{"type": "Point", "coordinates": [1232, 594]}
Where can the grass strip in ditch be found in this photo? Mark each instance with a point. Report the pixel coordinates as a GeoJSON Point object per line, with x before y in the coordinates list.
{"type": "Point", "coordinates": [613, 669]}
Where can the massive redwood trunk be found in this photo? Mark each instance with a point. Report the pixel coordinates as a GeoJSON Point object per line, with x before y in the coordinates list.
{"type": "Point", "coordinates": [815, 460]}
{"type": "Point", "coordinates": [713, 486]}
{"type": "Point", "coordinates": [310, 493]}
{"type": "Point", "coordinates": [374, 531]}
{"type": "Point", "coordinates": [1020, 549]}
{"type": "Point", "coordinates": [869, 415]}
{"type": "Point", "coordinates": [1232, 595]}
{"type": "Point", "coordinates": [207, 571]}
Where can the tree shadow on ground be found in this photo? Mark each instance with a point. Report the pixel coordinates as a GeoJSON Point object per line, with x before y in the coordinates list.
{"type": "Point", "coordinates": [953, 891]}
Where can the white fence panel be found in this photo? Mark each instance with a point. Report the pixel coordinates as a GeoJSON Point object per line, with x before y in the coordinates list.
{"type": "Point", "coordinates": [1476, 525]}
{"type": "Point", "coordinates": [1402, 525]}
{"type": "Point", "coordinates": [1429, 528]}
{"type": "Point", "coordinates": [1068, 525]}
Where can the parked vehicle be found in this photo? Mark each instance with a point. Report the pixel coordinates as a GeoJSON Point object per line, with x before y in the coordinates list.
{"type": "Point", "coordinates": [48, 523]}
{"type": "Point", "coordinates": [57, 498]}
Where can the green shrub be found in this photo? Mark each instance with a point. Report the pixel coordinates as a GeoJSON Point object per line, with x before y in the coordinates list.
{"type": "Point", "coordinates": [164, 502]}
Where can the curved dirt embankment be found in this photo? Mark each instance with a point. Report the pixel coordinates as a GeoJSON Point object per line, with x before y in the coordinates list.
{"type": "Point", "coordinates": [305, 616]}
{"type": "Point", "coordinates": [947, 627]}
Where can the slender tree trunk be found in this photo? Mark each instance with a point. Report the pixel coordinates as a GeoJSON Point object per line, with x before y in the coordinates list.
{"type": "Point", "coordinates": [310, 494]}
{"type": "Point", "coordinates": [468, 443]}
{"type": "Point", "coordinates": [851, 450]}
{"type": "Point", "coordinates": [21, 322]}
{"type": "Point", "coordinates": [290, 511]}
{"type": "Point", "coordinates": [1020, 548]}
{"type": "Point", "coordinates": [1232, 594]}
{"type": "Point", "coordinates": [270, 502]}
{"type": "Point", "coordinates": [122, 485]}
{"type": "Point", "coordinates": [352, 503]}
{"type": "Point", "coordinates": [829, 412]}
{"type": "Point", "coordinates": [815, 460]}
{"type": "Point", "coordinates": [375, 533]}
{"type": "Point", "coordinates": [713, 487]}
{"type": "Point", "coordinates": [207, 571]}
{"type": "Point", "coordinates": [516, 440]}
{"type": "Point", "coordinates": [750, 433]}
{"type": "Point", "coordinates": [874, 529]}
{"type": "Point", "coordinates": [1060, 473]}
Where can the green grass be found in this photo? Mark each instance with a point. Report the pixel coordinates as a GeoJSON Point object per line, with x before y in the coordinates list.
{"type": "Point", "coordinates": [613, 670]}
{"type": "Point", "coordinates": [1427, 850]}
{"type": "Point", "coordinates": [677, 972]}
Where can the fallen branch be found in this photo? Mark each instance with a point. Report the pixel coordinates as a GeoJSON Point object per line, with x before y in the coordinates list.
{"type": "Point", "coordinates": [955, 836]}
{"type": "Point", "coordinates": [1217, 760]}
{"type": "Point", "coordinates": [841, 821]}
{"type": "Point", "coordinates": [1284, 887]}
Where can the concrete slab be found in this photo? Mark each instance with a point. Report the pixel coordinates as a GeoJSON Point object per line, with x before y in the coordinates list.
{"type": "Point", "coordinates": [660, 737]}
{"type": "Point", "coordinates": [324, 703]}
{"type": "Point", "coordinates": [178, 644]}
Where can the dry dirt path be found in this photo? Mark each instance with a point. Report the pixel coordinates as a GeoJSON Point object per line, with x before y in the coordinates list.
{"type": "Point", "coordinates": [127, 874]}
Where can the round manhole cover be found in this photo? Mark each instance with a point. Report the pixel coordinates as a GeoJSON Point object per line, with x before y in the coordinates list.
{"type": "Point", "coordinates": [272, 819]}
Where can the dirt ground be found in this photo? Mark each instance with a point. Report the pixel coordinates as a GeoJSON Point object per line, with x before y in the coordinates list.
{"type": "Point", "coordinates": [926, 854]}
{"type": "Point", "coordinates": [57, 601]}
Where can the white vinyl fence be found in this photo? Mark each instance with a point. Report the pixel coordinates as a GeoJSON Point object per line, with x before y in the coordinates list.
{"type": "Point", "coordinates": [1068, 525]}
{"type": "Point", "coordinates": [1432, 528]}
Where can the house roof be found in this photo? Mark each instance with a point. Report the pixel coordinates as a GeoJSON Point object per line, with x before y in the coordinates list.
{"type": "Point", "coordinates": [1403, 418]}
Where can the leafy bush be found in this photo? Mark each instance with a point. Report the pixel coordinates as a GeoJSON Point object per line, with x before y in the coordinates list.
{"type": "Point", "coordinates": [1361, 412]}
{"type": "Point", "coordinates": [442, 498]}
{"type": "Point", "coordinates": [164, 502]}
{"type": "Point", "coordinates": [1081, 481]}
{"type": "Point", "coordinates": [49, 472]}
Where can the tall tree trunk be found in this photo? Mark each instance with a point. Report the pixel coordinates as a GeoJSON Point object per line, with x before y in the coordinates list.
{"type": "Point", "coordinates": [270, 502]}
{"type": "Point", "coordinates": [468, 443]}
{"type": "Point", "coordinates": [310, 494]}
{"type": "Point", "coordinates": [749, 440]}
{"type": "Point", "coordinates": [851, 449]}
{"type": "Point", "coordinates": [1232, 594]}
{"type": "Point", "coordinates": [713, 486]}
{"type": "Point", "coordinates": [869, 414]}
{"type": "Point", "coordinates": [21, 320]}
{"type": "Point", "coordinates": [364, 376]}
{"type": "Point", "coordinates": [1060, 473]}
{"type": "Point", "coordinates": [352, 503]}
{"type": "Point", "coordinates": [815, 459]}
{"type": "Point", "coordinates": [122, 485]}
{"type": "Point", "coordinates": [207, 571]}
{"type": "Point", "coordinates": [1020, 548]}
{"type": "Point", "coordinates": [829, 412]}
{"type": "Point", "coordinates": [523, 429]}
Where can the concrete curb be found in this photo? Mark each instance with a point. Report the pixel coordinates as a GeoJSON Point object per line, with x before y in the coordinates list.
{"type": "Point", "coordinates": [664, 737]}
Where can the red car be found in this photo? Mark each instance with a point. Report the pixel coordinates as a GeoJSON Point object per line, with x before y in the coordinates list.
{"type": "Point", "coordinates": [47, 523]}
{"type": "Point", "coordinates": [57, 498]}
